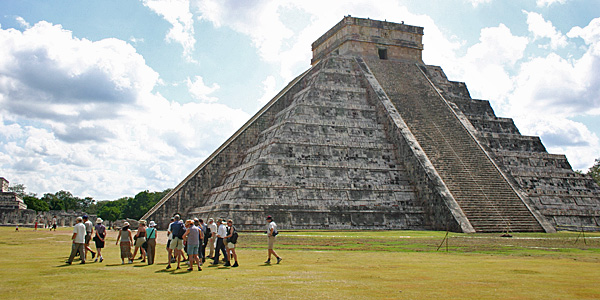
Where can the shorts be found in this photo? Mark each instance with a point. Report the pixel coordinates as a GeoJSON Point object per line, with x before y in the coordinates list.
{"type": "Point", "coordinates": [230, 246]}
{"type": "Point", "coordinates": [271, 242]}
{"type": "Point", "coordinates": [192, 249]}
{"type": "Point", "coordinates": [88, 237]}
{"type": "Point", "coordinates": [99, 243]}
{"type": "Point", "coordinates": [140, 241]}
{"type": "Point", "coordinates": [176, 243]}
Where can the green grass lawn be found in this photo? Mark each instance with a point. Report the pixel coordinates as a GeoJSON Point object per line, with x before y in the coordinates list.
{"type": "Point", "coordinates": [318, 264]}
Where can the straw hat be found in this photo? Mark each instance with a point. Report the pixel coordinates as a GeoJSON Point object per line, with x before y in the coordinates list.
{"type": "Point", "coordinates": [99, 220]}
{"type": "Point", "coordinates": [152, 224]}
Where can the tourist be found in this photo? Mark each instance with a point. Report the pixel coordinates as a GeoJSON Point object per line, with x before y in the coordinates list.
{"type": "Point", "coordinates": [231, 239]}
{"type": "Point", "coordinates": [193, 236]}
{"type": "Point", "coordinates": [170, 237]}
{"type": "Point", "coordinates": [140, 239]}
{"type": "Point", "coordinates": [221, 234]}
{"type": "Point", "coordinates": [126, 241]}
{"type": "Point", "coordinates": [54, 221]}
{"type": "Point", "coordinates": [177, 228]}
{"type": "Point", "coordinates": [78, 238]}
{"type": "Point", "coordinates": [213, 235]}
{"type": "Point", "coordinates": [89, 230]}
{"type": "Point", "coordinates": [99, 238]}
{"type": "Point", "coordinates": [271, 233]}
{"type": "Point", "coordinates": [205, 234]}
{"type": "Point", "coordinates": [151, 241]}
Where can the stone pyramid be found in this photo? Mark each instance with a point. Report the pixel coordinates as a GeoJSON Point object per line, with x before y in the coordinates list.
{"type": "Point", "coordinates": [372, 138]}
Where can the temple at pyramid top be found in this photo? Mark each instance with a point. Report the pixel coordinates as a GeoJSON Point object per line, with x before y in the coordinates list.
{"type": "Point", "coordinates": [370, 38]}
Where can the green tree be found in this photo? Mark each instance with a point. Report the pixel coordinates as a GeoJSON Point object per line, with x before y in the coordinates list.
{"type": "Point", "coordinates": [594, 171]}
{"type": "Point", "coordinates": [36, 204]}
{"type": "Point", "coordinates": [19, 189]}
{"type": "Point", "coordinates": [53, 202]}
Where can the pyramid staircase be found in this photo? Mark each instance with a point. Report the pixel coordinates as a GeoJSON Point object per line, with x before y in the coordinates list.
{"type": "Point", "coordinates": [483, 193]}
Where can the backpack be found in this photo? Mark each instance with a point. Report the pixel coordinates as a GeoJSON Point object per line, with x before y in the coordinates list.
{"type": "Point", "coordinates": [234, 237]}
{"type": "Point", "coordinates": [180, 230]}
{"type": "Point", "coordinates": [208, 233]}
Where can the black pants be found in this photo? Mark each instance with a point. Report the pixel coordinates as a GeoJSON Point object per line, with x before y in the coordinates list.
{"type": "Point", "coordinates": [220, 246]}
{"type": "Point", "coordinates": [203, 249]}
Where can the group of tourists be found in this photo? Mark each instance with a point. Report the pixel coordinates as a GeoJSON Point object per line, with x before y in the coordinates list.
{"type": "Point", "coordinates": [187, 241]}
{"type": "Point", "coordinates": [192, 237]}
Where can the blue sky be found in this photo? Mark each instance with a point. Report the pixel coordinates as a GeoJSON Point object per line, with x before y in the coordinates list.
{"type": "Point", "coordinates": [108, 98]}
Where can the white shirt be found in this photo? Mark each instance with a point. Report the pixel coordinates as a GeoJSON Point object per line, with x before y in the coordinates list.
{"type": "Point", "coordinates": [271, 225]}
{"type": "Point", "coordinates": [213, 228]}
{"type": "Point", "coordinates": [222, 231]}
{"type": "Point", "coordinates": [53, 221]}
{"type": "Point", "coordinates": [80, 230]}
{"type": "Point", "coordinates": [88, 226]}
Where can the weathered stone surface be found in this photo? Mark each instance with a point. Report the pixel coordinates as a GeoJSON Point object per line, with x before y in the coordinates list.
{"type": "Point", "coordinates": [365, 140]}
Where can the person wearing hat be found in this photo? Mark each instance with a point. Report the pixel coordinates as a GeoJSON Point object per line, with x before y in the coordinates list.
{"type": "Point", "coordinates": [126, 241]}
{"type": "Point", "coordinates": [151, 241]}
{"type": "Point", "coordinates": [271, 233]}
{"type": "Point", "coordinates": [99, 238]}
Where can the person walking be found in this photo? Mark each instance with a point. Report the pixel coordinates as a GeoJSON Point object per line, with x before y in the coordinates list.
{"type": "Point", "coordinates": [78, 244]}
{"type": "Point", "coordinates": [99, 238]}
{"type": "Point", "coordinates": [231, 239]}
{"type": "Point", "coordinates": [205, 238]}
{"type": "Point", "coordinates": [193, 237]}
{"type": "Point", "coordinates": [126, 241]}
{"type": "Point", "coordinates": [169, 239]}
{"type": "Point", "coordinates": [221, 234]}
{"type": "Point", "coordinates": [140, 239]}
{"type": "Point", "coordinates": [89, 230]}
{"type": "Point", "coordinates": [177, 228]}
{"type": "Point", "coordinates": [151, 240]}
{"type": "Point", "coordinates": [213, 235]}
{"type": "Point", "coordinates": [53, 223]}
{"type": "Point", "coordinates": [271, 234]}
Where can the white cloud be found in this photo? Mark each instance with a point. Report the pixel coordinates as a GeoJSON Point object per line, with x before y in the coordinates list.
{"type": "Point", "coordinates": [177, 13]}
{"type": "Point", "coordinates": [546, 3]}
{"type": "Point", "coordinates": [201, 91]}
{"type": "Point", "coordinates": [544, 29]}
{"type": "Point", "coordinates": [22, 22]}
{"type": "Point", "coordinates": [84, 111]}
{"type": "Point", "coordinates": [476, 3]}
{"type": "Point", "coordinates": [269, 90]}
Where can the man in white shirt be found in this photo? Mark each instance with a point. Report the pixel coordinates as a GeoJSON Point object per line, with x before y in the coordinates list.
{"type": "Point", "coordinates": [213, 235]}
{"type": "Point", "coordinates": [78, 241]}
{"type": "Point", "coordinates": [271, 233]}
{"type": "Point", "coordinates": [221, 234]}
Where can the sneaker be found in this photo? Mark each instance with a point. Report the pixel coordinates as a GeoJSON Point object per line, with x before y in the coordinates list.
{"type": "Point", "coordinates": [268, 261]}
{"type": "Point", "coordinates": [190, 269]}
{"type": "Point", "coordinates": [96, 260]}
{"type": "Point", "coordinates": [101, 258]}
{"type": "Point", "coordinates": [131, 261]}
{"type": "Point", "coordinates": [199, 269]}
{"type": "Point", "coordinates": [82, 263]}
{"type": "Point", "coordinates": [235, 265]}
{"type": "Point", "coordinates": [227, 264]}
{"type": "Point", "coordinates": [168, 267]}
{"type": "Point", "coordinates": [68, 262]}
{"type": "Point", "coordinates": [93, 254]}
{"type": "Point", "coordinates": [279, 259]}
{"type": "Point", "coordinates": [122, 262]}
{"type": "Point", "coordinates": [143, 260]}
{"type": "Point", "coordinates": [178, 268]}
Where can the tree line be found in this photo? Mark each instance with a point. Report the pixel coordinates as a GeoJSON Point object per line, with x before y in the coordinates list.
{"type": "Point", "coordinates": [111, 210]}
{"type": "Point", "coordinates": [129, 207]}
